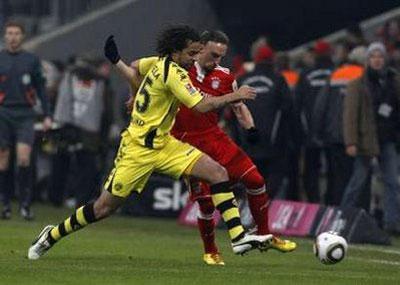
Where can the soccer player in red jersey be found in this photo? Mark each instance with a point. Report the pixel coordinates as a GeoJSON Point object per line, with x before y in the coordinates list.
{"type": "Point", "coordinates": [202, 131]}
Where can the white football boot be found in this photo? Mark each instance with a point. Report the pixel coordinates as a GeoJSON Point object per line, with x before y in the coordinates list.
{"type": "Point", "coordinates": [41, 244]}
{"type": "Point", "coordinates": [250, 242]}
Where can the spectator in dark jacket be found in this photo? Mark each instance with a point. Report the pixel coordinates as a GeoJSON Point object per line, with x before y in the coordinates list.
{"type": "Point", "coordinates": [271, 116]}
{"type": "Point", "coordinates": [371, 125]}
{"type": "Point", "coordinates": [307, 90]}
{"type": "Point", "coordinates": [282, 65]}
{"type": "Point", "coordinates": [328, 127]}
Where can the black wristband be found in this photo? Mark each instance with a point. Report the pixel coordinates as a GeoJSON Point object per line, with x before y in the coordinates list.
{"type": "Point", "coordinates": [253, 135]}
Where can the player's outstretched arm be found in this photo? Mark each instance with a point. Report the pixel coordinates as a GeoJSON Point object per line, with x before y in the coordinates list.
{"type": "Point", "coordinates": [210, 103]}
{"type": "Point", "coordinates": [129, 73]}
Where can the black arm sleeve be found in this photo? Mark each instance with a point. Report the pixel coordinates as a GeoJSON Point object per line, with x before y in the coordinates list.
{"type": "Point", "coordinates": [39, 84]}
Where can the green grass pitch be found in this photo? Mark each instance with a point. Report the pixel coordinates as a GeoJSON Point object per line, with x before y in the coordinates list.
{"type": "Point", "coordinates": [124, 250]}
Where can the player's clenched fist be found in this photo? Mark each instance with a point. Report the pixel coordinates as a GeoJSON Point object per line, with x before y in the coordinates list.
{"type": "Point", "coordinates": [111, 50]}
{"type": "Point", "coordinates": [246, 92]}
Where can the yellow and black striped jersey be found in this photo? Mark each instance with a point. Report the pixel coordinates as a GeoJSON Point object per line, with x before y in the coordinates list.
{"type": "Point", "coordinates": [157, 101]}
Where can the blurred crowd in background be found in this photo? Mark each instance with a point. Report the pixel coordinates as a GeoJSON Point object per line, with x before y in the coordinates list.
{"type": "Point", "coordinates": [300, 147]}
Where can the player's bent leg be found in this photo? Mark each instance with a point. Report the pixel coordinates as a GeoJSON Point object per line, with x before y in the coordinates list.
{"type": "Point", "coordinates": [258, 203]}
{"type": "Point", "coordinates": [222, 197]}
{"type": "Point", "coordinates": [92, 212]}
{"type": "Point", "coordinates": [133, 166]}
{"type": "Point", "coordinates": [207, 169]}
{"type": "Point", "coordinates": [206, 225]}
{"type": "Point", "coordinates": [258, 199]}
{"type": "Point", "coordinates": [183, 159]}
{"type": "Point", "coordinates": [200, 193]}
{"type": "Point", "coordinates": [106, 205]}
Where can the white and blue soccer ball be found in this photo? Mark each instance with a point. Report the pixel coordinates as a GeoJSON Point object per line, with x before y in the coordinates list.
{"type": "Point", "coordinates": [330, 248]}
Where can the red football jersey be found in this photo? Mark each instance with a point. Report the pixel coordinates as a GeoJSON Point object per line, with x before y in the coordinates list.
{"type": "Point", "coordinates": [214, 83]}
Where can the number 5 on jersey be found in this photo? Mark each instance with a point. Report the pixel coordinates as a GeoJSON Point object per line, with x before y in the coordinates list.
{"type": "Point", "coordinates": [142, 102]}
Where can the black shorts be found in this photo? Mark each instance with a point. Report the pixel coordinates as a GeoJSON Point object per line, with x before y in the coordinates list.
{"type": "Point", "coordinates": [16, 127]}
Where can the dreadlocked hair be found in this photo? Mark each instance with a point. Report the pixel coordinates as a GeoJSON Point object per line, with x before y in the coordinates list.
{"type": "Point", "coordinates": [176, 38]}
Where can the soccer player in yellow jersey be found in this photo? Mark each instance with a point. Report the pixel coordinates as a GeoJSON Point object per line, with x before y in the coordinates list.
{"type": "Point", "coordinates": [147, 147]}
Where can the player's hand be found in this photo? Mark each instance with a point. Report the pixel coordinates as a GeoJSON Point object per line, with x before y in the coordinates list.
{"type": "Point", "coordinates": [47, 122]}
{"type": "Point", "coordinates": [253, 135]}
{"type": "Point", "coordinates": [246, 92]}
{"type": "Point", "coordinates": [111, 50]}
{"type": "Point", "coordinates": [351, 150]}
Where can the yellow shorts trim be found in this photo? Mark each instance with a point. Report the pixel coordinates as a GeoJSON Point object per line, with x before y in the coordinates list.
{"type": "Point", "coordinates": [188, 170]}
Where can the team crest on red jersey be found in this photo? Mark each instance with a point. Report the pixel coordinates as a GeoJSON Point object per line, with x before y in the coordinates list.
{"type": "Point", "coordinates": [215, 82]}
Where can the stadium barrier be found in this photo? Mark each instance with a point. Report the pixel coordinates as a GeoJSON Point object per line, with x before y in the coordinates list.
{"type": "Point", "coordinates": [164, 197]}
{"type": "Point", "coordinates": [307, 220]}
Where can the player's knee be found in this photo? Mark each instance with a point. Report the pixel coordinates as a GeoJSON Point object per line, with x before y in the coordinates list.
{"type": "Point", "coordinates": [206, 207]}
{"type": "Point", "coordinates": [253, 180]}
{"type": "Point", "coordinates": [218, 174]}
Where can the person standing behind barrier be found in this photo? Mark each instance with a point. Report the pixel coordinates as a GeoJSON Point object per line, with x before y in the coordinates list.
{"type": "Point", "coordinates": [328, 127]}
{"type": "Point", "coordinates": [371, 125]}
{"type": "Point", "coordinates": [81, 108]}
{"type": "Point", "coordinates": [268, 147]}
{"type": "Point", "coordinates": [310, 83]}
{"type": "Point", "coordinates": [21, 81]}
{"type": "Point", "coordinates": [282, 64]}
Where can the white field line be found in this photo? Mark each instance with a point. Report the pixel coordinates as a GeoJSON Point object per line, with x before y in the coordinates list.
{"type": "Point", "coordinates": [379, 261]}
{"type": "Point", "coordinates": [374, 260]}
{"type": "Point", "coordinates": [243, 272]}
{"type": "Point", "coordinates": [376, 249]}
{"type": "Point", "coordinates": [367, 248]}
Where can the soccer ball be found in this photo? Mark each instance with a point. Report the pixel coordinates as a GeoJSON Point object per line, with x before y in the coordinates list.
{"type": "Point", "coordinates": [330, 248]}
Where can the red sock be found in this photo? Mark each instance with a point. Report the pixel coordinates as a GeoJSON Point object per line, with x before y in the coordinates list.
{"type": "Point", "coordinates": [259, 210]}
{"type": "Point", "coordinates": [207, 233]}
